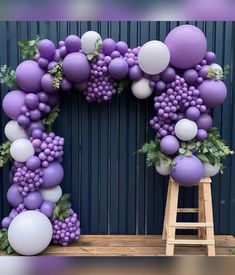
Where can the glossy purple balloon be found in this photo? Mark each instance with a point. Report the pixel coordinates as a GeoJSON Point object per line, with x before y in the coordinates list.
{"type": "Point", "coordinates": [187, 45]}
{"type": "Point", "coordinates": [14, 197]}
{"type": "Point", "coordinates": [108, 46]}
{"type": "Point", "coordinates": [204, 122]}
{"type": "Point", "coordinates": [47, 208]}
{"type": "Point", "coordinates": [47, 83]}
{"type": "Point", "coordinates": [12, 103]}
{"type": "Point", "coordinates": [28, 76]}
{"type": "Point", "coordinates": [190, 76]}
{"type": "Point", "coordinates": [35, 125]}
{"type": "Point", "coordinates": [33, 200]}
{"type": "Point", "coordinates": [193, 113]}
{"type": "Point", "coordinates": [122, 47]}
{"type": "Point", "coordinates": [213, 92]}
{"type": "Point", "coordinates": [23, 121]}
{"type": "Point", "coordinates": [53, 175]}
{"type": "Point", "coordinates": [6, 222]}
{"type": "Point", "coordinates": [76, 67]}
{"type": "Point", "coordinates": [118, 68]}
{"type": "Point", "coordinates": [31, 101]}
{"type": "Point", "coordinates": [135, 73]}
{"type": "Point", "coordinates": [73, 43]}
{"type": "Point", "coordinates": [210, 57]}
{"type": "Point", "coordinates": [202, 134]}
{"type": "Point", "coordinates": [187, 171]}
{"type": "Point", "coordinates": [33, 163]}
{"type": "Point", "coordinates": [168, 75]}
{"type": "Point", "coordinates": [169, 145]}
{"type": "Point", "coordinates": [46, 48]}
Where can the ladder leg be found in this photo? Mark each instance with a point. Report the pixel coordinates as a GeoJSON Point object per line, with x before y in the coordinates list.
{"type": "Point", "coordinates": [209, 218]}
{"type": "Point", "coordinates": [166, 217]}
{"type": "Point", "coordinates": [201, 212]}
{"type": "Point", "coordinates": [174, 192]}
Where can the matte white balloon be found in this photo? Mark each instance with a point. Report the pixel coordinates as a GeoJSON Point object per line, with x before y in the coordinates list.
{"type": "Point", "coordinates": [162, 169]}
{"type": "Point", "coordinates": [51, 194]}
{"type": "Point", "coordinates": [211, 170]}
{"type": "Point", "coordinates": [30, 233]}
{"type": "Point", "coordinates": [141, 88]}
{"type": "Point", "coordinates": [186, 129]}
{"type": "Point", "coordinates": [89, 40]}
{"type": "Point", "coordinates": [14, 131]}
{"type": "Point", "coordinates": [154, 57]}
{"type": "Point", "coordinates": [21, 149]}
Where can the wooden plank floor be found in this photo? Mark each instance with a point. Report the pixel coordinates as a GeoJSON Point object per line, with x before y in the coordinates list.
{"type": "Point", "coordinates": [117, 245]}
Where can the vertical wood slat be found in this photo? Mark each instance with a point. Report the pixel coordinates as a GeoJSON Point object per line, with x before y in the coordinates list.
{"type": "Point", "coordinates": [110, 185]}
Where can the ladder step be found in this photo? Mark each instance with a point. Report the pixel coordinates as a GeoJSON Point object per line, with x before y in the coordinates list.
{"type": "Point", "coordinates": [190, 225]}
{"type": "Point", "coordinates": [191, 242]}
{"type": "Point", "coordinates": [187, 210]}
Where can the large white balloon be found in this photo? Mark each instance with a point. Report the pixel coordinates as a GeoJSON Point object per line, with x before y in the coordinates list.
{"type": "Point", "coordinates": [141, 88]}
{"type": "Point", "coordinates": [21, 149]}
{"type": "Point", "coordinates": [162, 169]}
{"type": "Point", "coordinates": [186, 129]}
{"type": "Point", "coordinates": [89, 40]}
{"type": "Point", "coordinates": [211, 170]}
{"type": "Point", "coordinates": [14, 131]}
{"type": "Point", "coordinates": [51, 194]}
{"type": "Point", "coordinates": [30, 233]}
{"type": "Point", "coordinates": [154, 57]}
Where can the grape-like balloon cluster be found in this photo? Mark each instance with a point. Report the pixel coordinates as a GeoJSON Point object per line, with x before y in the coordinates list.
{"type": "Point", "coordinates": [176, 71]}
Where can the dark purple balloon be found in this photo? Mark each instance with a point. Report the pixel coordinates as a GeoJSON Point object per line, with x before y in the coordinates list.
{"type": "Point", "coordinates": [210, 57]}
{"type": "Point", "coordinates": [190, 76]}
{"type": "Point", "coordinates": [43, 63]}
{"type": "Point", "coordinates": [14, 197]}
{"type": "Point", "coordinates": [202, 134]}
{"type": "Point", "coordinates": [66, 85]}
{"type": "Point", "coordinates": [118, 68]}
{"type": "Point", "coordinates": [35, 125]}
{"type": "Point", "coordinates": [193, 113]}
{"type": "Point", "coordinates": [33, 200]}
{"type": "Point", "coordinates": [33, 162]}
{"type": "Point", "coordinates": [204, 122]}
{"type": "Point", "coordinates": [47, 208]}
{"type": "Point", "coordinates": [169, 145]}
{"type": "Point", "coordinates": [46, 48]}
{"type": "Point", "coordinates": [73, 43]}
{"type": "Point", "coordinates": [53, 175]}
{"type": "Point", "coordinates": [31, 101]}
{"type": "Point", "coordinates": [53, 99]}
{"type": "Point", "coordinates": [122, 47]}
{"type": "Point", "coordinates": [135, 73]}
{"type": "Point", "coordinates": [168, 75]}
{"type": "Point", "coordinates": [108, 46]}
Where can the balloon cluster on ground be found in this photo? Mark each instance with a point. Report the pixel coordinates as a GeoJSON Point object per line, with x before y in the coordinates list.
{"type": "Point", "coordinates": [176, 71]}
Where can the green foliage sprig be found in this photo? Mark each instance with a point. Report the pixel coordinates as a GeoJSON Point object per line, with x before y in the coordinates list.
{"type": "Point", "coordinates": [5, 155]}
{"type": "Point", "coordinates": [122, 85]}
{"type": "Point", "coordinates": [57, 72]}
{"type": "Point", "coordinates": [4, 243]}
{"type": "Point", "coordinates": [62, 208]}
{"type": "Point", "coordinates": [154, 154]}
{"type": "Point", "coordinates": [218, 74]}
{"type": "Point", "coordinates": [51, 117]}
{"type": "Point", "coordinates": [28, 48]}
{"type": "Point", "coordinates": [98, 46]}
{"type": "Point", "coordinates": [7, 76]}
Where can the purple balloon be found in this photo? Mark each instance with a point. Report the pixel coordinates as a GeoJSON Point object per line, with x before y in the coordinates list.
{"type": "Point", "coordinates": [193, 113]}
{"type": "Point", "coordinates": [28, 76]}
{"type": "Point", "coordinates": [53, 99]}
{"type": "Point", "coordinates": [14, 197]}
{"type": "Point", "coordinates": [13, 214]}
{"type": "Point", "coordinates": [76, 67]}
{"type": "Point", "coordinates": [23, 121]}
{"type": "Point", "coordinates": [187, 171]}
{"type": "Point", "coordinates": [204, 122]}
{"type": "Point", "coordinates": [187, 45]}
{"type": "Point", "coordinates": [108, 46]}
{"type": "Point", "coordinates": [73, 43]}
{"type": "Point", "coordinates": [118, 68]}
{"type": "Point", "coordinates": [190, 76]}
{"type": "Point", "coordinates": [202, 134]}
{"type": "Point", "coordinates": [33, 162]}
{"type": "Point", "coordinates": [31, 101]}
{"type": "Point", "coordinates": [122, 47]}
{"type": "Point", "coordinates": [46, 48]}
{"type": "Point", "coordinates": [160, 85]}
{"type": "Point", "coordinates": [47, 83]}
{"type": "Point", "coordinates": [213, 92]}
{"type": "Point", "coordinates": [51, 65]}
{"type": "Point", "coordinates": [57, 55]}
{"type": "Point", "coordinates": [35, 125]}
{"type": "Point", "coordinates": [33, 200]}
{"type": "Point", "coordinates": [63, 51]}
{"type": "Point", "coordinates": [12, 103]}
{"type": "Point", "coordinates": [135, 73]}
{"type": "Point", "coordinates": [6, 222]}
{"type": "Point", "coordinates": [43, 63]}
{"type": "Point", "coordinates": [169, 145]}
{"type": "Point", "coordinates": [66, 85]}
{"type": "Point", "coordinates": [210, 57]}
{"type": "Point", "coordinates": [204, 72]}
{"type": "Point", "coordinates": [53, 175]}
{"type": "Point", "coordinates": [47, 208]}
{"type": "Point", "coordinates": [168, 75]}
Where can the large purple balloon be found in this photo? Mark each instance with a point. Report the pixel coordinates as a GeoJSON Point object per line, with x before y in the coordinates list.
{"type": "Point", "coordinates": [33, 200]}
{"type": "Point", "coordinates": [187, 171]}
{"type": "Point", "coordinates": [53, 175]}
{"type": "Point", "coordinates": [213, 92]}
{"type": "Point", "coordinates": [14, 197]}
{"type": "Point", "coordinates": [28, 76]}
{"type": "Point", "coordinates": [73, 43]}
{"type": "Point", "coordinates": [204, 122]}
{"type": "Point", "coordinates": [46, 48]}
{"type": "Point", "coordinates": [118, 68]}
{"type": "Point", "coordinates": [76, 67]}
{"type": "Point", "coordinates": [187, 45]}
{"type": "Point", "coordinates": [12, 103]}
{"type": "Point", "coordinates": [169, 145]}
{"type": "Point", "coordinates": [108, 46]}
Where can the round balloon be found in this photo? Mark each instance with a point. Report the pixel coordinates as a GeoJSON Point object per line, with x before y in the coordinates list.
{"type": "Point", "coordinates": [51, 194]}
{"type": "Point", "coordinates": [141, 88]}
{"type": "Point", "coordinates": [153, 57]}
{"type": "Point", "coordinates": [186, 129]}
{"type": "Point", "coordinates": [204, 122]}
{"type": "Point", "coordinates": [73, 43]}
{"type": "Point", "coordinates": [118, 68]}
{"type": "Point", "coordinates": [14, 197]}
{"type": "Point", "coordinates": [162, 169]}
{"type": "Point", "coordinates": [211, 170]}
{"type": "Point", "coordinates": [169, 145]}
{"type": "Point", "coordinates": [53, 175]}
{"type": "Point", "coordinates": [13, 131]}
{"type": "Point", "coordinates": [108, 46]}
{"type": "Point", "coordinates": [21, 149]}
{"type": "Point", "coordinates": [187, 45]}
{"type": "Point", "coordinates": [12, 103]}
{"type": "Point", "coordinates": [90, 41]}
{"type": "Point", "coordinates": [33, 200]}
{"type": "Point", "coordinates": [46, 49]}
{"type": "Point", "coordinates": [47, 208]}
{"type": "Point", "coordinates": [30, 233]}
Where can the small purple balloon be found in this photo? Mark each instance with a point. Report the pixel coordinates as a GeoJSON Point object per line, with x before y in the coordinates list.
{"type": "Point", "coordinates": [31, 101]}
{"type": "Point", "coordinates": [135, 73]}
{"type": "Point", "coordinates": [33, 200]}
{"type": "Point", "coordinates": [204, 72]}
{"type": "Point", "coordinates": [118, 68]}
{"type": "Point", "coordinates": [33, 163]}
{"type": "Point", "coordinates": [14, 197]}
{"type": "Point", "coordinates": [202, 134]}
{"type": "Point", "coordinates": [66, 85]}
{"type": "Point", "coordinates": [13, 214]}
{"type": "Point", "coordinates": [193, 113]}
{"type": "Point", "coordinates": [6, 222]}
{"type": "Point", "coordinates": [108, 46]}
{"type": "Point", "coordinates": [168, 75]}
{"type": "Point", "coordinates": [35, 125]}
{"type": "Point", "coordinates": [190, 76]}
{"type": "Point", "coordinates": [57, 55]}
{"type": "Point", "coordinates": [73, 43]}
{"type": "Point", "coordinates": [169, 145]}
{"type": "Point", "coordinates": [51, 65]}
{"type": "Point", "coordinates": [47, 208]}
{"type": "Point", "coordinates": [43, 63]}
{"type": "Point", "coordinates": [53, 175]}
{"type": "Point", "coordinates": [47, 83]}
{"type": "Point", "coordinates": [160, 85]}
{"type": "Point", "coordinates": [210, 57]}
{"type": "Point", "coordinates": [23, 121]}
{"type": "Point", "coordinates": [46, 48]}
{"type": "Point", "coordinates": [204, 122]}
{"type": "Point", "coordinates": [122, 47]}
{"type": "Point", "coordinates": [12, 103]}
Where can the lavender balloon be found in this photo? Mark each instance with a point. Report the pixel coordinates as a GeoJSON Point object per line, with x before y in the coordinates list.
{"type": "Point", "coordinates": [14, 197]}
{"type": "Point", "coordinates": [6, 222]}
{"type": "Point", "coordinates": [53, 175]}
{"type": "Point", "coordinates": [46, 48]}
{"type": "Point", "coordinates": [204, 122]}
{"type": "Point", "coordinates": [202, 134]}
{"type": "Point", "coordinates": [135, 73]}
{"type": "Point", "coordinates": [31, 101]}
{"type": "Point", "coordinates": [108, 46]}
{"type": "Point", "coordinates": [122, 47]}
{"type": "Point", "coordinates": [118, 68]}
{"type": "Point", "coordinates": [47, 83]}
{"type": "Point", "coordinates": [169, 145]}
{"type": "Point", "coordinates": [190, 76]}
{"type": "Point", "coordinates": [33, 200]}
{"type": "Point", "coordinates": [35, 125]}
{"type": "Point", "coordinates": [73, 43]}
{"type": "Point", "coordinates": [193, 113]}
{"type": "Point", "coordinates": [12, 103]}
{"type": "Point", "coordinates": [33, 163]}
{"type": "Point", "coordinates": [47, 208]}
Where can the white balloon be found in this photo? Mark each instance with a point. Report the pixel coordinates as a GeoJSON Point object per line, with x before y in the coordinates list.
{"type": "Point", "coordinates": [14, 131]}
{"type": "Point", "coordinates": [21, 149]}
{"type": "Point", "coordinates": [186, 129]}
{"type": "Point", "coordinates": [51, 194]}
{"type": "Point", "coordinates": [211, 170]}
{"type": "Point", "coordinates": [19, 266]}
{"type": "Point", "coordinates": [89, 40]}
{"type": "Point", "coordinates": [30, 233]}
{"type": "Point", "coordinates": [154, 57]}
{"type": "Point", "coordinates": [141, 88]}
{"type": "Point", "coordinates": [162, 169]}
{"type": "Point", "coordinates": [216, 66]}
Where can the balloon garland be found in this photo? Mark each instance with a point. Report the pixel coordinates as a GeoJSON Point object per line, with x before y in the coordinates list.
{"type": "Point", "coordinates": [186, 81]}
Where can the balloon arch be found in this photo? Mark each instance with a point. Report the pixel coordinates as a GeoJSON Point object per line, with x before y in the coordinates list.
{"type": "Point", "coordinates": [186, 81]}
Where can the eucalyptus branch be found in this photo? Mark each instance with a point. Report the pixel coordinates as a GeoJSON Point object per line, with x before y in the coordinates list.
{"type": "Point", "coordinates": [51, 117]}
{"type": "Point", "coordinates": [28, 48]}
{"type": "Point", "coordinates": [4, 243]}
{"type": "Point", "coordinates": [7, 76]}
{"type": "Point", "coordinates": [62, 208]}
{"type": "Point", "coordinates": [98, 46]}
{"type": "Point", "coordinates": [57, 72]}
{"type": "Point", "coordinates": [5, 155]}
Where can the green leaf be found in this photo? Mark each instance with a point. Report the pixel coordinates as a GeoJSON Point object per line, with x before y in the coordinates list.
{"type": "Point", "coordinates": [51, 117]}
{"type": "Point", "coordinates": [182, 151]}
{"type": "Point", "coordinates": [62, 208]}
{"type": "Point", "coordinates": [90, 56]}
{"type": "Point", "coordinates": [98, 46]}
{"type": "Point", "coordinates": [28, 48]}
{"type": "Point", "coordinates": [122, 85]}
{"type": "Point", "coordinates": [5, 155]}
{"type": "Point", "coordinates": [4, 243]}
{"type": "Point", "coordinates": [7, 76]}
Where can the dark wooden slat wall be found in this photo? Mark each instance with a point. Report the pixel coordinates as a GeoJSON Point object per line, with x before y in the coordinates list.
{"type": "Point", "coordinates": [111, 187]}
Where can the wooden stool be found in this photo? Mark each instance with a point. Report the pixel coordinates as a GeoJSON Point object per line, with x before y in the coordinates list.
{"type": "Point", "coordinates": [204, 225]}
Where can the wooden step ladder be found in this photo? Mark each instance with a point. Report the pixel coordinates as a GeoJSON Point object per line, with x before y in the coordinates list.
{"type": "Point", "coordinates": [204, 225]}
